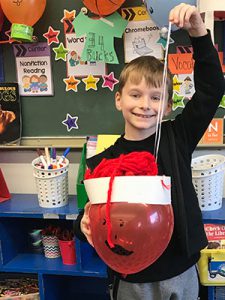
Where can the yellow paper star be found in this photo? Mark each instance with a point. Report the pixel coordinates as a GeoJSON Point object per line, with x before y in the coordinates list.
{"type": "Point", "coordinates": [71, 83]}
{"type": "Point", "coordinates": [176, 84]}
{"type": "Point", "coordinates": [68, 15]}
{"type": "Point", "coordinates": [90, 82]}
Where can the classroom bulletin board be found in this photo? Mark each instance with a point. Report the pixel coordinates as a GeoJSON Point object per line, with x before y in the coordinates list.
{"type": "Point", "coordinates": [43, 116]}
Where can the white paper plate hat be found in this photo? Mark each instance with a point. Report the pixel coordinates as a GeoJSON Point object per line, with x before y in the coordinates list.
{"type": "Point", "coordinates": [208, 7]}
{"type": "Point", "coordinates": [131, 189]}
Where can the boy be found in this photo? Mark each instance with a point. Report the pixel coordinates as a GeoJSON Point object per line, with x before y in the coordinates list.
{"type": "Point", "coordinates": [173, 275]}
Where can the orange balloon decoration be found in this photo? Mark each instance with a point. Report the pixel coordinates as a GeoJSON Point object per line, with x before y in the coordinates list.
{"type": "Point", "coordinates": [103, 7]}
{"type": "Point", "coordinates": [23, 14]}
{"type": "Point", "coordinates": [1, 18]}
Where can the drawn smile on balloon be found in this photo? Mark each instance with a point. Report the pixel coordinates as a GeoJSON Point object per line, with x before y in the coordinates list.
{"type": "Point", "coordinates": [117, 249]}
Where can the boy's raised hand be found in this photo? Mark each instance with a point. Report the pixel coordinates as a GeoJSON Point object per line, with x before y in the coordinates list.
{"type": "Point", "coordinates": [85, 223]}
{"type": "Point", "coordinates": [187, 17]}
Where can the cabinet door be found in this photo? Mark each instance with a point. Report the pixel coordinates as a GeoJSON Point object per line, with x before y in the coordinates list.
{"type": "Point", "coordinates": [58, 287]}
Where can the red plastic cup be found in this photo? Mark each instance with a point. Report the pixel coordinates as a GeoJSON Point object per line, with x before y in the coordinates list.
{"type": "Point", "coordinates": [67, 249]}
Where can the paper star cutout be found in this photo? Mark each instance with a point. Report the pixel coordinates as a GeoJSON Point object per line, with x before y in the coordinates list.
{"type": "Point", "coordinates": [161, 41]}
{"type": "Point", "coordinates": [178, 101]}
{"type": "Point", "coordinates": [8, 34]}
{"type": "Point", "coordinates": [109, 81]}
{"type": "Point", "coordinates": [71, 83]}
{"type": "Point", "coordinates": [70, 122]}
{"type": "Point", "coordinates": [61, 52]}
{"type": "Point", "coordinates": [222, 103]}
{"type": "Point", "coordinates": [176, 84]}
{"type": "Point", "coordinates": [68, 15]}
{"type": "Point", "coordinates": [90, 82]}
{"type": "Point", "coordinates": [52, 35]}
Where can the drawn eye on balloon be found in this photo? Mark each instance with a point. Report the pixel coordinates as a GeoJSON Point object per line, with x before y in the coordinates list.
{"type": "Point", "coordinates": [121, 222]}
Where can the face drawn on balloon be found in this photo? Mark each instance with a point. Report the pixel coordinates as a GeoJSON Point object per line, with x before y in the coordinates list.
{"type": "Point", "coordinates": [118, 249]}
{"type": "Point", "coordinates": [18, 2]}
{"type": "Point", "coordinates": [26, 12]}
{"type": "Point", "coordinates": [140, 233]}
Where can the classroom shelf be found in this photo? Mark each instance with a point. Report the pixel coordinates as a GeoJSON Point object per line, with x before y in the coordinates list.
{"type": "Point", "coordinates": [21, 214]}
{"type": "Point", "coordinates": [215, 216]}
{"type": "Point", "coordinates": [26, 206]}
{"type": "Point", "coordinates": [17, 214]}
{"type": "Point", "coordinates": [37, 263]}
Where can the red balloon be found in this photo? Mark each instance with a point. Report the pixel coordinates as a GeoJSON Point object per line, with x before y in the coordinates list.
{"type": "Point", "coordinates": [103, 7]}
{"type": "Point", "coordinates": [26, 12]}
{"type": "Point", "coordinates": [219, 15]}
{"type": "Point", "coordinates": [140, 234]}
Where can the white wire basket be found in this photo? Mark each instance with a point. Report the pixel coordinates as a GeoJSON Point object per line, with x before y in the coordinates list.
{"type": "Point", "coordinates": [208, 180]}
{"type": "Point", "coordinates": [52, 185]}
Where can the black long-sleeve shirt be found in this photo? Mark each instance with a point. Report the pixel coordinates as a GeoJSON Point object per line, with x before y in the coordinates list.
{"type": "Point", "coordinates": [178, 141]}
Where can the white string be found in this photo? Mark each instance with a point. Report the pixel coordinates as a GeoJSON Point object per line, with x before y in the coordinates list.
{"type": "Point", "coordinates": [162, 97]}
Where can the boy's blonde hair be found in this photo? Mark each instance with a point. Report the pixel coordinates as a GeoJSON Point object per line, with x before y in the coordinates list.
{"type": "Point", "coordinates": [148, 67]}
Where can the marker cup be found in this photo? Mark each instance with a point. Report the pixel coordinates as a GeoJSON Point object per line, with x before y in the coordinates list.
{"type": "Point", "coordinates": [52, 184]}
{"type": "Point", "coordinates": [51, 246]}
{"type": "Point", "coordinates": [67, 249]}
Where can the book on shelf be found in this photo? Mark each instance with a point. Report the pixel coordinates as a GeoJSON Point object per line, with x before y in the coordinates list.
{"type": "Point", "coordinates": [4, 192]}
{"type": "Point", "coordinates": [10, 114]}
{"type": "Point", "coordinates": [216, 235]}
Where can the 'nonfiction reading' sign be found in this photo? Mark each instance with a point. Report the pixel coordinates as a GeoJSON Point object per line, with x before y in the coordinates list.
{"type": "Point", "coordinates": [33, 69]}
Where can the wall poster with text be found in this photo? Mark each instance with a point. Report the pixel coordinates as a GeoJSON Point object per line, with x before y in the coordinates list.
{"type": "Point", "coordinates": [33, 63]}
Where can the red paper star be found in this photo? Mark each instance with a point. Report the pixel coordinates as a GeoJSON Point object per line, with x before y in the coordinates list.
{"type": "Point", "coordinates": [52, 35]}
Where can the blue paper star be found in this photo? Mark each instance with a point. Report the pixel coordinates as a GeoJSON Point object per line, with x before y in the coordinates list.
{"type": "Point", "coordinates": [70, 122]}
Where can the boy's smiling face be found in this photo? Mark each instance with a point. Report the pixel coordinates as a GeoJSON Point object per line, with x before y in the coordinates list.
{"type": "Point", "coordinates": [139, 104]}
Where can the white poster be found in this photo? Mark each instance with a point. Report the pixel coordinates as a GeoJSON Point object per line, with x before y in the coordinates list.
{"type": "Point", "coordinates": [77, 67]}
{"type": "Point", "coordinates": [33, 63]}
{"type": "Point", "coordinates": [140, 39]}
